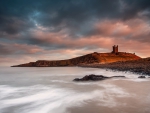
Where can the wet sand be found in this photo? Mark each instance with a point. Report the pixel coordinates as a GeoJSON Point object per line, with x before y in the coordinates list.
{"type": "Point", "coordinates": [135, 101]}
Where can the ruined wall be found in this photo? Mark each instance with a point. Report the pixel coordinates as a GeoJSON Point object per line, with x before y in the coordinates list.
{"type": "Point", "coordinates": [115, 49]}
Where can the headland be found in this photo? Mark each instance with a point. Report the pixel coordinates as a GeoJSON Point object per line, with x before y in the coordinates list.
{"type": "Point", "coordinates": [92, 58]}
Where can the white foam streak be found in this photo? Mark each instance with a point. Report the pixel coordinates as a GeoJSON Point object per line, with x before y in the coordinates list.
{"type": "Point", "coordinates": [52, 99]}
{"type": "Point", "coordinates": [56, 95]}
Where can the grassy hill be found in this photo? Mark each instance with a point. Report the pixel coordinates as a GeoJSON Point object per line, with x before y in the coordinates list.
{"type": "Point", "coordinates": [101, 58]}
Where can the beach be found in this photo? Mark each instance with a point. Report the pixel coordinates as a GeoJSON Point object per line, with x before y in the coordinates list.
{"type": "Point", "coordinates": [52, 90]}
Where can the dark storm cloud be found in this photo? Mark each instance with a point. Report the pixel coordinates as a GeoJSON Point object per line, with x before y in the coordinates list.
{"type": "Point", "coordinates": [132, 8]}
{"type": "Point", "coordinates": [74, 12]}
{"type": "Point", "coordinates": [13, 25]}
{"type": "Point", "coordinates": [14, 16]}
{"type": "Point", "coordinates": [20, 15]}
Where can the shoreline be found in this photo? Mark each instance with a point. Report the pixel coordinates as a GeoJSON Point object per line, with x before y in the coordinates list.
{"type": "Point", "coordinates": [117, 70]}
{"type": "Point", "coordinates": [141, 67]}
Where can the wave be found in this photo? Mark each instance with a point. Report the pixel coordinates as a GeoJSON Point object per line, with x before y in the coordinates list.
{"type": "Point", "coordinates": [44, 90]}
{"type": "Point", "coordinates": [52, 99]}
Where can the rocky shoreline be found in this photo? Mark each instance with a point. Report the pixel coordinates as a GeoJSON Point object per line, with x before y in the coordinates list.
{"type": "Point", "coordinates": [141, 66]}
{"type": "Point", "coordinates": [93, 77]}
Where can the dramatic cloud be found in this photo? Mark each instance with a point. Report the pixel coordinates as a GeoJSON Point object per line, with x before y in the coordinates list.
{"type": "Point", "coordinates": [58, 29]}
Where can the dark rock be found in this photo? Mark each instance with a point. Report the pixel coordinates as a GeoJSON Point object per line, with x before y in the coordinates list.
{"type": "Point", "coordinates": [141, 77]}
{"type": "Point", "coordinates": [93, 77]}
{"type": "Point", "coordinates": [76, 79]}
{"type": "Point", "coordinates": [118, 76]}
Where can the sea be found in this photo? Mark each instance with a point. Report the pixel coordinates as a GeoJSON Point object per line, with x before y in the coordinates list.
{"type": "Point", "coordinates": [52, 90]}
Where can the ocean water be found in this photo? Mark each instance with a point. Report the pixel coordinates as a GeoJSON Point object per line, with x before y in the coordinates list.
{"type": "Point", "coordinates": [51, 90]}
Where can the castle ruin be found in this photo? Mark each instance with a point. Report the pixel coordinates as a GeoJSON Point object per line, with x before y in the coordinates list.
{"type": "Point", "coordinates": [115, 49]}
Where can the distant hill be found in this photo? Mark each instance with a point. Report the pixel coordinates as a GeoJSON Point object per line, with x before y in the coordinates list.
{"type": "Point", "coordinates": [101, 58]}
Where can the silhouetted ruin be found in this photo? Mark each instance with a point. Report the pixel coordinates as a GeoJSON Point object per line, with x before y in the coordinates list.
{"type": "Point", "coordinates": [115, 49]}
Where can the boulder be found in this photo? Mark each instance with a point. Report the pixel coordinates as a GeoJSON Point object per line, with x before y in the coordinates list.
{"type": "Point", "coordinates": [142, 76]}
{"type": "Point", "coordinates": [93, 77]}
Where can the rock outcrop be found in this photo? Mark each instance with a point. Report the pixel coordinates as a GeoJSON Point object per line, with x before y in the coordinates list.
{"type": "Point", "coordinates": [93, 77]}
{"type": "Point", "coordinates": [141, 77]}
{"type": "Point", "coordinates": [93, 58]}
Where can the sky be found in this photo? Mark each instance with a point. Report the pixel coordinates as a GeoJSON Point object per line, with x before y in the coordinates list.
{"type": "Point", "coordinates": [33, 30]}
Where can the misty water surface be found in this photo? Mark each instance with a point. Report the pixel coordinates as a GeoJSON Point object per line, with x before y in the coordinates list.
{"type": "Point", "coordinates": [51, 90]}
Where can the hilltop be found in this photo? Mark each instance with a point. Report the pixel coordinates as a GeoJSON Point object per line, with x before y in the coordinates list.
{"type": "Point", "coordinates": [100, 58]}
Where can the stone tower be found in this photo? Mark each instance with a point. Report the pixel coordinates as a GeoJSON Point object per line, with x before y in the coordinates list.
{"type": "Point", "coordinates": [115, 49]}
